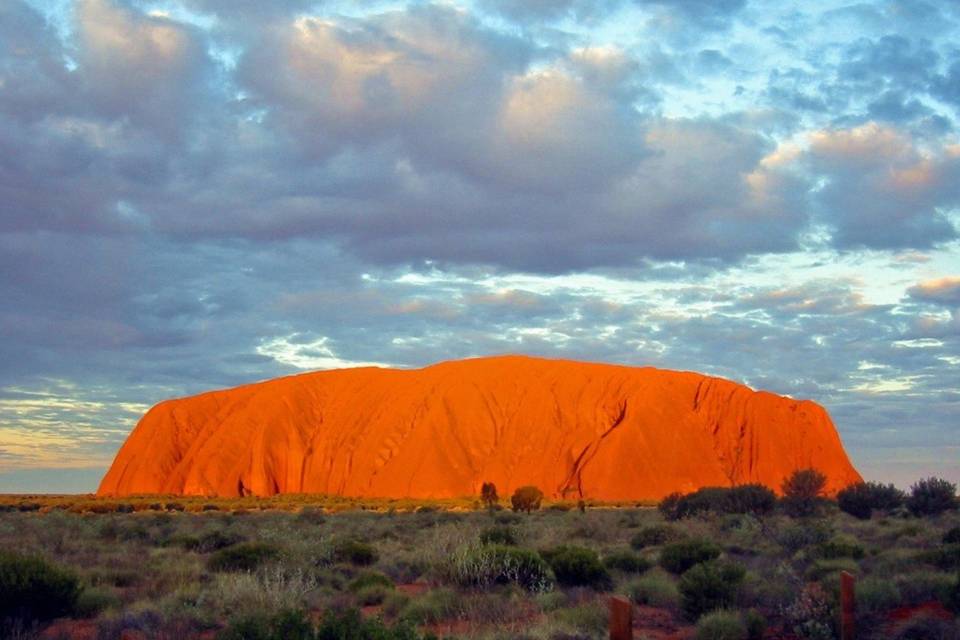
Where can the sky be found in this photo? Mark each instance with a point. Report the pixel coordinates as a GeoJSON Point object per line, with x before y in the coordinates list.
{"type": "Point", "coordinates": [196, 194]}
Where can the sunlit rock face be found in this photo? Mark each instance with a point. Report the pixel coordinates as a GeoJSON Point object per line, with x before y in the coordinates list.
{"type": "Point", "coordinates": [574, 429]}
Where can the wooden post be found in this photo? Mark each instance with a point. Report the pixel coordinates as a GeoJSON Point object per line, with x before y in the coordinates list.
{"type": "Point", "coordinates": [621, 618]}
{"type": "Point", "coordinates": [848, 606]}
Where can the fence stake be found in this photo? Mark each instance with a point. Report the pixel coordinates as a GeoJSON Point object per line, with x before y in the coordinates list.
{"type": "Point", "coordinates": [848, 606]}
{"type": "Point", "coordinates": [621, 618]}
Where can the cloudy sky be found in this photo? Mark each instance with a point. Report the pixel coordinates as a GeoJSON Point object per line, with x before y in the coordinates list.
{"type": "Point", "coordinates": [200, 193]}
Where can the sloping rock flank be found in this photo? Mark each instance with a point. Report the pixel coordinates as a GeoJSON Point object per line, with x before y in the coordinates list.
{"type": "Point", "coordinates": [574, 429]}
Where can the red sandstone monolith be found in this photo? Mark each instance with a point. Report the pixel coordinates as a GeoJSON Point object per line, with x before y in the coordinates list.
{"type": "Point", "coordinates": [573, 429]}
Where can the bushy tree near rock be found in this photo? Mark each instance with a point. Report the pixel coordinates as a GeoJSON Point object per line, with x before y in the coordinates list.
{"type": "Point", "coordinates": [803, 491]}
{"type": "Point", "coordinates": [932, 496]}
{"type": "Point", "coordinates": [488, 493]}
{"type": "Point", "coordinates": [526, 498]}
{"type": "Point", "coordinates": [863, 498]}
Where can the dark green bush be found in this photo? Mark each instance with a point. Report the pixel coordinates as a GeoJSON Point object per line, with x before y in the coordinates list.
{"type": "Point", "coordinates": [207, 542]}
{"type": "Point", "coordinates": [243, 557]}
{"type": "Point", "coordinates": [932, 496]}
{"type": "Point", "coordinates": [756, 624]}
{"type": "Point", "coordinates": [652, 536]}
{"type": "Point", "coordinates": [124, 508]}
{"type": "Point", "coordinates": [678, 557]}
{"type": "Point", "coordinates": [721, 625]}
{"type": "Point", "coordinates": [626, 561]}
{"type": "Point", "coordinates": [952, 599]}
{"type": "Point", "coordinates": [669, 507]}
{"type": "Point", "coordinates": [797, 536]}
{"type": "Point", "coordinates": [499, 534]}
{"type": "Point", "coordinates": [708, 586]}
{"type": "Point", "coordinates": [755, 499]}
{"type": "Point", "coordinates": [526, 499]}
{"type": "Point", "coordinates": [952, 536]}
{"type": "Point", "coordinates": [863, 498]}
{"type": "Point", "coordinates": [946, 557]}
{"type": "Point", "coordinates": [174, 506]}
{"type": "Point", "coordinates": [355, 552]}
{"type": "Point", "coordinates": [285, 625]}
{"type": "Point", "coordinates": [370, 579]}
{"type": "Point", "coordinates": [577, 566]}
{"type": "Point", "coordinates": [840, 547]}
{"type": "Point", "coordinates": [32, 589]}
{"type": "Point", "coordinates": [350, 625]}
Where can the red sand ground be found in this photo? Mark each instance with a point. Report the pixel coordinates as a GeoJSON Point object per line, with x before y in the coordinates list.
{"type": "Point", "coordinates": [574, 429]}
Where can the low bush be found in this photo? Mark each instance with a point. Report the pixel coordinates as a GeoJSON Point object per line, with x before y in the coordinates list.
{"type": "Point", "coordinates": [499, 534]}
{"type": "Point", "coordinates": [803, 493]}
{"type": "Point", "coordinates": [952, 596]}
{"type": "Point", "coordinates": [486, 565]}
{"type": "Point", "coordinates": [755, 499]}
{"type": "Point", "coordinates": [174, 506]}
{"type": "Point", "coordinates": [243, 557]}
{"type": "Point", "coordinates": [709, 585]}
{"type": "Point", "coordinates": [652, 536]}
{"type": "Point", "coordinates": [285, 625]}
{"type": "Point", "coordinates": [655, 589]}
{"type": "Point", "coordinates": [33, 589]}
{"type": "Point", "coordinates": [952, 536]}
{"type": "Point", "coordinates": [588, 618]}
{"type": "Point", "coordinates": [355, 552]}
{"type": "Point", "coordinates": [795, 537]}
{"type": "Point", "coordinates": [755, 623]}
{"type": "Point", "coordinates": [840, 547]}
{"type": "Point", "coordinates": [626, 561]}
{"type": "Point", "coordinates": [431, 607]}
{"type": "Point", "coordinates": [876, 595]}
{"type": "Point", "coordinates": [822, 570]}
{"type": "Point", "coordinates": [932, 496]}
{"type": "Point", "coordinates": [369, 579]}
{"type": "Point", "coordinates": [577, 566]}
{"type": "Point", "coordinates": [863, 498]}
{"type": "Point", "coordinates": [946, 557]}
{"type": "Point", "coordinates": [721, 625]}
{"type": "Point", "coordinates": [678, 557]}
{"type": "Point", "coordinates": [94, 600]}
{"type": "Point", "coordinates": [926, 627]}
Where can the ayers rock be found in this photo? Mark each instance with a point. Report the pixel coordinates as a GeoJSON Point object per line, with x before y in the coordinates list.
{"type": "Point", "coordinates": [573, 429]}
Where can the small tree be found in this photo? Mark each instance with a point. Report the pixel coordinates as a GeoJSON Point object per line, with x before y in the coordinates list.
{"type": "Point", "coordinates": [802, 492]}
{"type": "Point", "coordinates": [932, 496]}
{"type": "Point", "coordinates": [526, 498]}
{"type": "Point", "coordinates": [861, 499]}
{"type": "Point", "coordinates": [488, 493]}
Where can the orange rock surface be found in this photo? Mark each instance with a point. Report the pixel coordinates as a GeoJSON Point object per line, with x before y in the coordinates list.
{"type": "Point", "coordinates": [574, 429]}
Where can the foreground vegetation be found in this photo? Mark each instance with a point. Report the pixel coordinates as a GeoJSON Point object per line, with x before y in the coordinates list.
{"type": "Point", "coordinates": [721, 563]}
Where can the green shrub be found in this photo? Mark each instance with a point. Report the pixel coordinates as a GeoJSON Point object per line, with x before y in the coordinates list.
{"type": "Point", "coordinates": [489, 564]}
{"type": "Point", "coordinates": [946, 557]}
{"type": "Point", "coordinates": [431, 607]}
{"type": "Point", "coordinates": [209, 541]}
{"type": "Point", "coordinates": [94, 600]}
{"type": "Point", "coordinates": [577, 566]}
{"type": "Point", "coordinates": [174, 506]}
{"type": "Point", "coordinates": [243, 557]}
{"type": "Point", "coordinates": [626, 561]}
{"type": "Point", "coordinates": [755, 499]}
{"type": "Point", "coordinates": [678, 557]}
{"type": "Point", "coordinates": [952, 596]}
{"type": "Point", "coordinates": [861, 499]}
{"type": "Point", "coordinates": [721, 625]}
{"type": "Point", "coordinates": [952, 536]}
{"type": "Point", "coordinates": [932, 496]}
{"type": "Point", "coordinates": [285, 625]}
{"type": "Point", "coordinates": [499, 534]}
{"type": "Point", "coordinates": [669, 507]}
{"type": "Point", "coordinates": [755, 623]}
{"type": "Point", "coordinates": [820, 570]}
{"type": "Point", "coordinates": [797, 536]}
{"type": "Point", "coordinates": [526, 498]}
{"type": "Point", "coordinates": [355, 552]}
{"type": "Point", "coordinates": [709, 585]}
{"type": "Point", "coordinates": [840, 547]}
{"type": "Point", "coordinates": [655, 589]}
{"type": "Point", "coordinates": [590, 618]}
{"type": "Point", "coordinates": [877, 595]}
{"type": "Point", "coordinates": [311, 516]}
{"type": "Point", "coordinates": [369, 579]}
{"type": "Point", "coordinates": [652, 536]}
{"type": "Point", "coordinates": [919, 586]}
{"type": "Point", "coordinates": [33, 589]}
